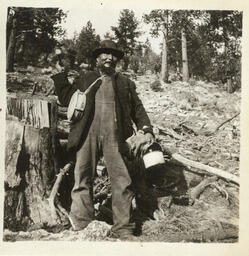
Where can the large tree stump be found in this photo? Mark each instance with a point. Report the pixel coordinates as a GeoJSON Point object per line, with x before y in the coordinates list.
{"type": "Point", "coordinates": [30, 161]}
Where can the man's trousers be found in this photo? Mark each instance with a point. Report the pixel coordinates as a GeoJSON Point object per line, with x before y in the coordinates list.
{"type": "Point", "coordinates": [82, 210]}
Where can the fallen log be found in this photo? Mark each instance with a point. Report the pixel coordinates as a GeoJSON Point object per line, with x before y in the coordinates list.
{"type": "Point", "coordinates": [63, 129]}
{"type": "Point", "coordinates": [209, 169]}
{"type": "Point", "coordinates": [62, 112]}
{"type": "Point", "coordinates": [191, 163]}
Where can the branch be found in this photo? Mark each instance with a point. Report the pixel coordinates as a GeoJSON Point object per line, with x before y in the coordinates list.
{"type": "Point", "coordinates": [197, 190]}
{"type": "Point", "coordinates": [56, 185]}
{"type": "Point", "coordinates": [220, 125]}
{"type": "Point", "coordinates": [228, 120]}
{"type": "Point", "coordinates": [168, 131]}
{"type": "Point", "coordinates": [53, 194]}
{"type": "Point", "coordinates": [34, 88]}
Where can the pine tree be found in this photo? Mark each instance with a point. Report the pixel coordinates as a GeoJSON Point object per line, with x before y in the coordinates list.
{"type": "Point", "coordinates": [30, 32]}
{"type": "Point", "coordinates": [225, 32]}
{"type": "Point", "coordinates": [86, 43]}
{"type": "Point", "coordinates": [126, 33]}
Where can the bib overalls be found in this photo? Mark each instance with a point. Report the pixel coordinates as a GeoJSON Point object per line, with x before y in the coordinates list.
{"type": "Point", "coordinates": [102, 139]}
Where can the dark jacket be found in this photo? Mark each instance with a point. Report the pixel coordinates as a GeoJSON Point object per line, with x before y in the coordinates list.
{"type": "Point", "coordinates": [128, 106]}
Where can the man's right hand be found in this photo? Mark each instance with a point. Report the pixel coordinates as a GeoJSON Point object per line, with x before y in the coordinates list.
{"type": "Point", "coordinates": [59, 60]}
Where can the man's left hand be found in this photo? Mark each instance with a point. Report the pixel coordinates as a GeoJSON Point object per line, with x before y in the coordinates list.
{"type": "Point", "coordinates": [137, 141]}
{"type": "Point", "coordinates": [150, 138]}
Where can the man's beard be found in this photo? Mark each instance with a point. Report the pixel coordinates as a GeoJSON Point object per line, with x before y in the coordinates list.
{"type": "Point", "coordinates": [106, 70]}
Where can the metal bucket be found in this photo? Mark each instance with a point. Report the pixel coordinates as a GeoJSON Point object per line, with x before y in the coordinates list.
{"type": "Point", "coordinates": [153, 155]}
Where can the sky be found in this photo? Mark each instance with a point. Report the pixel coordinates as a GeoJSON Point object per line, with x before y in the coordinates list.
{"type": "Point", "coordinates": [102, 19]}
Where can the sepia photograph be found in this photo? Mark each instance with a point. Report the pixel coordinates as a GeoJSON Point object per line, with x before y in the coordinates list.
{"type": "Point", "coordinates": [122, 124]}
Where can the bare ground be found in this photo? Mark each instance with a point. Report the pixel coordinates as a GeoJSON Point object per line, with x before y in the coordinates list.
{"type": "Point", "coordinates": [185, 118]}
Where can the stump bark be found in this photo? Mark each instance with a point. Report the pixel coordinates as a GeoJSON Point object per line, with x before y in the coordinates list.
{"type": "Point", "coordinates": [30, 162]}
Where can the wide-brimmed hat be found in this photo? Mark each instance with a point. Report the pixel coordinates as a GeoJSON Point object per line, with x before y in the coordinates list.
{"type": "Point", "coordinates": [108, 46]}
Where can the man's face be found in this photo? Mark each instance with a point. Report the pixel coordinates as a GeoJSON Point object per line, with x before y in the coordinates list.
{"type": "Point", "coordinates": [107, 62]}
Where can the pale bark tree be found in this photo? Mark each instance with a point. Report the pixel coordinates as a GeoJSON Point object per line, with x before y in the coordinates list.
{"type": "Point", "coordinates": [185, 72]}
{"type": "Point", "coordinates": [12, 44]}
{"type": "Point", "coordinates": [165, 71]}
{"type": "Point", "coordinates": [159, 19]}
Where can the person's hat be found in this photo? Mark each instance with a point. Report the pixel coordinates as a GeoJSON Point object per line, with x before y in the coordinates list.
{"type": "Point", "coordinates": [108, 46]}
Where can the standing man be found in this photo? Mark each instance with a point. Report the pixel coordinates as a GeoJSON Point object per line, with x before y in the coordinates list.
{"type": "Point", "coordinates": [112, 106]}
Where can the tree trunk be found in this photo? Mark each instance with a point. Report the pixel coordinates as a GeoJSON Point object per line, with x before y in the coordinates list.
{"type": "Point", "coordinates": [30, 166]}
{"type": "Point", "coordinates": [20, 51]}
{"type": "Point", "coordinates": [11, 46]}
{"type": "Point", "coordinates": [126, 63]}
{"type": "Point", "coordinates": [230, 88]}
{"type": "Point", "coordinates": [165, 71]}
{"type": "Point", "coordinates": [9, 26]}
{"type": "Point", "coordinates": [229, 83]}
{"type": "Point", "coordinates": [185, 72]}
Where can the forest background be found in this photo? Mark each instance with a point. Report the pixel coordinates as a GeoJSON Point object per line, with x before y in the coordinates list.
{"type": "Point", "coordinates": [202, 45]}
